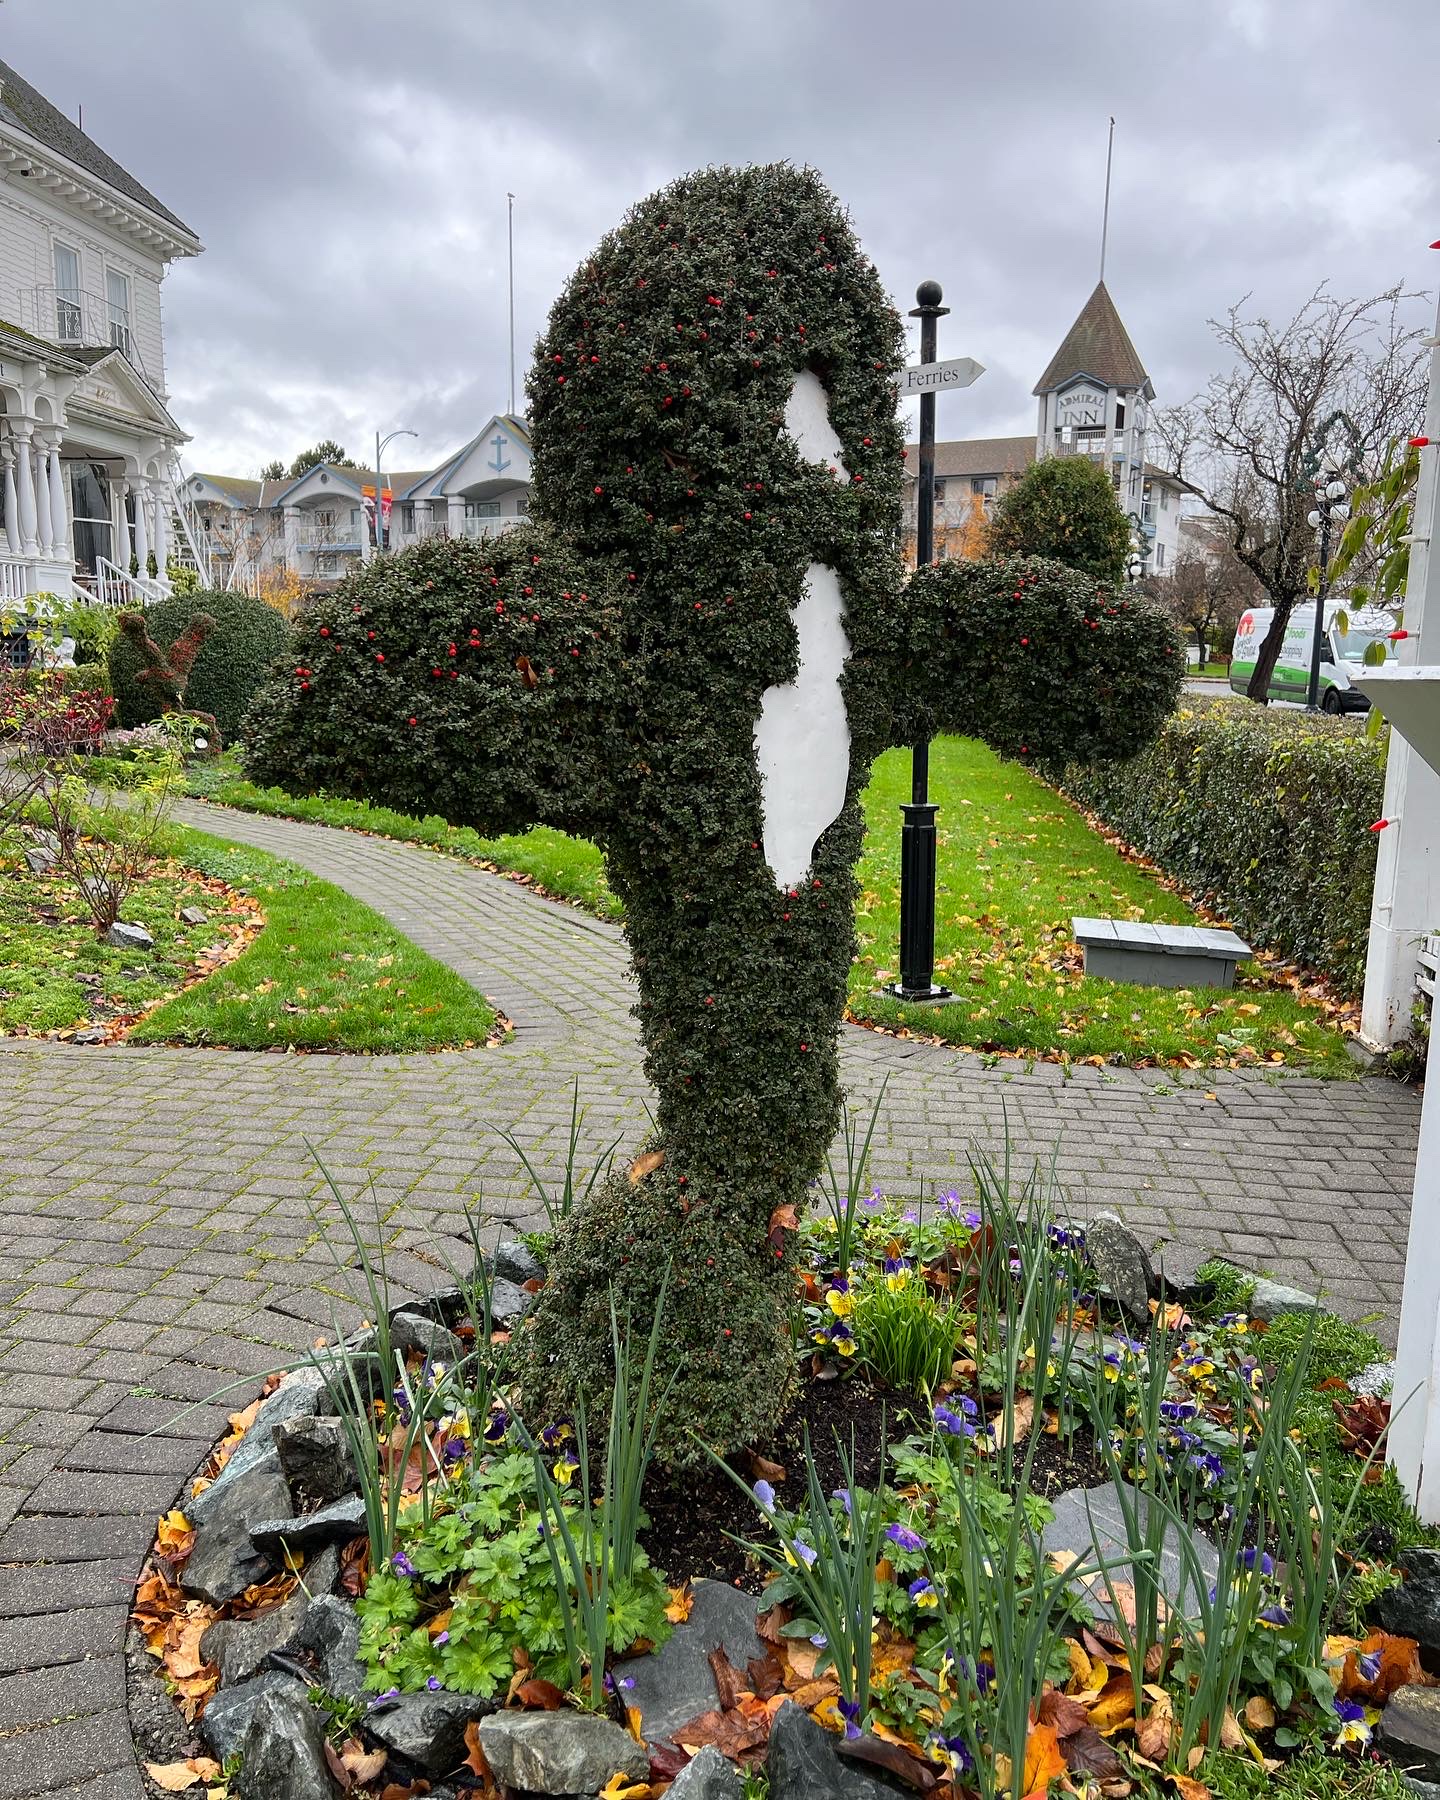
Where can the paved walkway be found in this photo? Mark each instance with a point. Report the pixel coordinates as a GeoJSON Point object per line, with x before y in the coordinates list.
{"type": "Point", "coordinates": [156, 1241]}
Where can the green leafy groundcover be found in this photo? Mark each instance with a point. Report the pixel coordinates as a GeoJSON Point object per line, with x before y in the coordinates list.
{"type": "Point", "coordinates": [326, 973]}
{"type": "Point", "coordinates": [1269, 811]}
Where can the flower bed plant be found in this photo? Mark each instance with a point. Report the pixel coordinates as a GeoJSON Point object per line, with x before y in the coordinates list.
{"type": "Point", "coordinates": [921, 1614]}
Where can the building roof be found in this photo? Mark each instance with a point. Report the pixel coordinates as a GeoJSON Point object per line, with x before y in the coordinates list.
{"type": "Point", "coordinates": [976, 456]}
{"type": "Point", "coordinates": [25, 343]}
{"type": "Point", "coordinates": [1097, 344]}
{"type": "Point", "coordinates": [24, 107]}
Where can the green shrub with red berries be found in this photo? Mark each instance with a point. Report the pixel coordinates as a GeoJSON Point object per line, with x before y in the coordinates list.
{"type": "Point", "coordinates": [604, 672]}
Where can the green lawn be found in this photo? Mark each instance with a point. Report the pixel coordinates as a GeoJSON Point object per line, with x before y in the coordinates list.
{"type": "Point", "coordinates": [566, 867]}
{"type": "Point", "coordinates": [55, 976]}
{"type": "Point", "coordinates": [326, 973]}
{"type": "Point", "coordinates": [1016, 861]}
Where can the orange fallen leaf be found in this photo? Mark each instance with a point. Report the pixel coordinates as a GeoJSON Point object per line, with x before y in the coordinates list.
{"type": "Point", "coordinates": [179, 1777]}
{"type": "Point", "coordinates": [1259, 1714]}
{"type": "Point", "coordinates": [645, 1165]}
{"type": "Point", "coordinates": [1044, 1762]}
{"type": "Point", "coordinates": [474, 1756]}
{"type": "Point", "coordinates": [681, 1600]}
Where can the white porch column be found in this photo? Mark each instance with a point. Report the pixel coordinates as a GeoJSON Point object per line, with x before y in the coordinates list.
{"type": "Point", "coordinates": [142, 527]}
{"type": "Point", "coordinates": [44, 525]}
{"type": "Point", "coordinates": [160, 540]}
{"type": "Point", "coordinates": [1406, 902]}
{"type": "Point", "coordinates": [422, 519]}
{"type": "Point", "coordinates": [62, 547]}
{"type": "Point", "coordinates": [290, 528]}
{"type": "Point", "coordinates": [455, 515]}
{"type": "Point", "coordinates": [25, 481]}
{"type": "Point", "coordinates": [120, 488]}
{"type": "Point", "coordinates": [12, 503]}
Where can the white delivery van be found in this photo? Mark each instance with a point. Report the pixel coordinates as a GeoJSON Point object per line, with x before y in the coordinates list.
{"type": "Point", "coordinates": [1348, 634]}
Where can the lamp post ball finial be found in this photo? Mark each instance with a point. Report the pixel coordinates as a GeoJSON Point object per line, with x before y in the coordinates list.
{"type": "Point", "coordinates": [928, 294]}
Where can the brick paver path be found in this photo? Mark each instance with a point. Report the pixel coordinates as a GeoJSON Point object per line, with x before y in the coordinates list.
{"type": "Point", "coordinates": [155, 1241]}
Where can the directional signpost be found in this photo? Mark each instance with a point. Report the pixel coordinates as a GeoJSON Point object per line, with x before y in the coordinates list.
{"type": "Point", "coordinates": [917, 832]}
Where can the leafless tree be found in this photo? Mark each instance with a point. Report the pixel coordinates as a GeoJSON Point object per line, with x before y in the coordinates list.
{"type": "Point", "coordinates": [1207, 590]}
{"type": "Point", "coordinates": [1343, 375]}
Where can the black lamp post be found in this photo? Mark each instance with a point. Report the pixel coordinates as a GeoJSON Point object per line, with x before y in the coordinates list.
{"type": "Point", "coordinates": [917, 832]}
{"type": "Point", "coordinates": [1330, 508]}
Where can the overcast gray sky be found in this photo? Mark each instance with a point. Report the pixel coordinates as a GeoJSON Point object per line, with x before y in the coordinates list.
{"type": "Point", "coordinates": [346, 164]}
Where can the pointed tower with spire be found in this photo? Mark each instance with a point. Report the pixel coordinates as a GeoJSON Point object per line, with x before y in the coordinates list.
{"type": "Point", "coordinates": [1094, 399]}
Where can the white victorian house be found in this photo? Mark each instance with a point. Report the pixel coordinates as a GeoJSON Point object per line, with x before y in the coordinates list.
{"type": "Point", "coordinates": [90, 485]}
{"type": "Point", "coordinates": [321, 524]}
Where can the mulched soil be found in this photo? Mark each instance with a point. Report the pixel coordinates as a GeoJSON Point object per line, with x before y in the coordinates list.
{"type": "Point", "coordinates": [692, 1514]}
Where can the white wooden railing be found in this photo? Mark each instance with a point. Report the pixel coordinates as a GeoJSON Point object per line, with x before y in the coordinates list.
{"type": "Point", "coordinates": [112, 586]}
{"type": "Point", "coordinates": [14, 578]}
{"type": "Point", "coordinates": [1429, 968]}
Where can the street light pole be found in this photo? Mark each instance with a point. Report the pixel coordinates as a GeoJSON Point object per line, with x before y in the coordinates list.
{"type": "Point", "coordinates": [917, 832]}
{"type": "Point", "coordinates": [380, 444]}
{"type": "Point", "coordinates": [1330, 506]}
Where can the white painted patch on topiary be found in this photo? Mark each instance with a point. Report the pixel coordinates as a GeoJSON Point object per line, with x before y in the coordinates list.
{"type": "Point", "coordinates": [802, 737]}
{"type": "Point", "coordinates": [807, 420]}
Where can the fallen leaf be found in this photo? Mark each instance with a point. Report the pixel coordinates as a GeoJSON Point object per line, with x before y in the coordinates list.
{"type": "Point", "coordinates": [915, 1771]}
{"type": "Point", "coordinates": [731, 1733]}
{"type": "Point", "coordinates": [762, 1468]}
{"type": "Point", "coordinates": [1067, 1716]}
{"type": "Point", "coordinates": [645, 1164]}
{"type": "Point", "coordinates": [1115, 1707]}
{"type": "Point", "coordinates": [179, 1777]}
{"type": "Point", "coordinates": [542, 1694]}
{"type": "Point", "coordinates": [361, 1764]}
{"type": "Point", "coordinates": [783, 1219]}
{"type": "Point", "coordinates": [1022, 1416]}
{"type": "Point", "coordinates": [681, 1600]}
{"type": "Point", "coordinates": [1258, 1714]}
{"type": "Point", "coordinates": [474, 1755]}
{"type": "Point", "coordinates": [1156, 1732]}
{"type": "Point", "coordinates": [727, 1679]}
{"type": "Point", "coordinates": [1087, 1753]}
{"type": "Point", "coordinates": [1043, 1760]}
{"type": "Point", "coordinates": [1188, 1788]}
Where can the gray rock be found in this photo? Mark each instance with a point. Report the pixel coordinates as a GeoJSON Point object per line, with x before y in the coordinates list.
{"type": "Point", "coordinates": [513, 1262]}
{"type": "Point", "coordinates": [1409, 1731]}
{"type": "Point", "coordinates": [1272, 1299]}
{"type": "Point", "coordinates": [1422, 1790]}
{"type": "Point", "coordinates": [329, 1641]}
{"type": "Point", "coordinates": [240, 1646]}
{"type": "Point", "coordinates": [710, 1776]}
{"type": "Point", "coordinates": [1121, 1264]}
{"type": "Point", "coordinates": [1375, 1378]}
{"type": "Point", "coordinates": [121, 936]}
{"type": "Point", "coordinates": [804, 1763]}
{"type": "Point", "coordinates": [93, 1034]}
{"type": "Point", "coordinates": [560, 1752]}
{"type": "Point", "coordinates": [1177, 1269]}
{"type": "Point", "coordinates": [1413, 1609]}
{"type": "Point", "coordinates": [675, 1683]}
{"type": "Point", "coordinates": [227, 1718]}
{"type": "Point", "coordinates": [39, 860]}
{"type": "Point", "coordinates": [336, 1523]}
{"type": "Point", "coordinates": [224, 1561]}
{"type": "Point", "coordinates": [1088, 1521]}
{"type": "Point", "coordinates": [413, 1331]}
{"type": "Point", "coordinates": [316, 1457]}
{"type": "Point", "coordinates": [297, 1394]}
{"type": "Point", "coordinates": [508, 1303]}
{"type": "Point", "coordinates": [429, 1728]}
{"type": "Point", "coordinates": [192, 915]}
{"type": "Point", "coordinates": [282, 1755]}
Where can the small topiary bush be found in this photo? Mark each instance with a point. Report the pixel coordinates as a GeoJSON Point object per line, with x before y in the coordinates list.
{"type": "Point", "coordinates": [233, 661]}
{"type": "Point", "coordinates": [1063, 507]}
{"type": "Point", "coordinates": [1267, 814]}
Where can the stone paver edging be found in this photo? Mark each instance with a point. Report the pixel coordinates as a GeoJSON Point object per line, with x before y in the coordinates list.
{"type": "Point", "coordinates": [156, 1241]}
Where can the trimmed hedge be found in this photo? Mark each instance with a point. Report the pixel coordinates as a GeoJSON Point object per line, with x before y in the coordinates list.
{"type": "Point", "coordinates": [232, 663]}
{"type": "Point", "coordinates": [1267, 815]}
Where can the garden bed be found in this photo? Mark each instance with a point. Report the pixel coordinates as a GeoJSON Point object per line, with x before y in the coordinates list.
{"type": "Point", "coordinates": [926, 1479]}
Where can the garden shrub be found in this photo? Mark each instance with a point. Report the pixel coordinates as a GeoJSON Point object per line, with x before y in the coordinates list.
{"type": "Point", "coordinates": [603, 671]}
{"type": "Point", "coordinates": [1063, 507]}
{"type": "Point", "coordinates": [1265, 814]}
{"type": "Point", "coordinates": [233, 661]}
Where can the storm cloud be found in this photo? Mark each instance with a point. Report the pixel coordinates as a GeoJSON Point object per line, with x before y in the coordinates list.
{"type": "Point", "coordinates": [346, 165]}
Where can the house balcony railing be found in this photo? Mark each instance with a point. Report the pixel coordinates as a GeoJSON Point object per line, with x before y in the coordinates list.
{"type": "Point", "coordinates": [336, 538]}
{"type": "Point", "coordinates": [78, 320]}
{"type": "Point", "coordinates": [484, 528]}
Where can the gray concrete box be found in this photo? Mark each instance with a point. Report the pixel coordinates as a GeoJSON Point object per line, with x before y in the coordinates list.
{"type": "Point", "coordinates": [1159, 955]}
